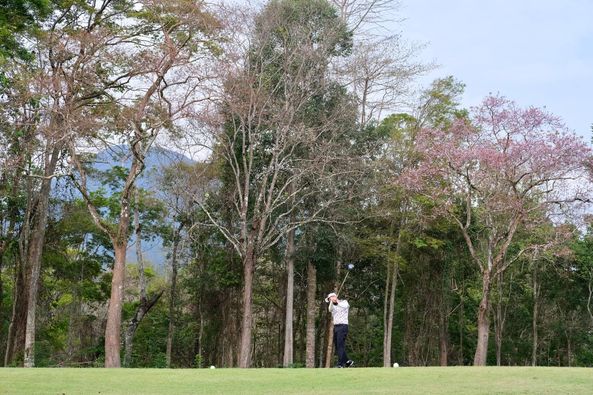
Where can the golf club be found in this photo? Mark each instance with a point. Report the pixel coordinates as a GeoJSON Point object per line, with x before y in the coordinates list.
{"type": "Point", "coordinates": [349, 267]}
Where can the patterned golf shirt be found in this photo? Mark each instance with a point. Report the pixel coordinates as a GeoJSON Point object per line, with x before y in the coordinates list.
{"type": "Point", "coordinates": [340, 312]}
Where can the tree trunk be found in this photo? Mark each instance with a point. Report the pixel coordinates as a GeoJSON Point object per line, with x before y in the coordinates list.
{"type": "Point", "coordinates": [113, 327]}
{"type": "Point", "coordinates": [536, 289]}
{"type": "Point", "coordinates": [311, 312]}
{"type": "Point", "coordinates": [15, 341]}
{"type": "Point", "coordinates": [1, 284]}
{"type": "Point", "coordinates": [34, 253]}
{"type": "Point", "coordinates": [321, 349]}
{"type": "Point", "coordinates": [499, 322]}
{"type": "Point", "coordinates": [12, 217]}
{"type": "Point", "coordinates": [329, 347]}
{"type": "Point", "coordinates": [228, 340]}
{"type": "Point", "coordinates": [590, 297]}
{"type": "Point", "coordinates": [1, 289]}
{"type": "Point", "coordinates": [200, 336]}
{"type": "Point", "coordinates": [141, 311]}
{"type": "Point", "coordinates": [247, 319]}
{"type": "Point", "coordinates": [16, 330]}
{"type": "Point", "coordinates": [394, 275]}
{"type": "Point", "coordinates": [568, 350]}
{"type": "Point", "coordinates": [444, 330]}
{"type": "Point", "coordinates": [461, 323]}
{"type": "Point", "coordinates": [483, 321]}
{"type": "Point", "coordinates": [288, 326]}
{"type": "Point", "coordinates": [386, 348]}
{"type": "Point", "coordinates": [444, 312]}
{"type": "Point", "coordinates": [173, 294]}
{"type": "Point", "coordinates": [389, 326]}
{"type": "Point", "coordinates": [501, 314]}
{"type": "Point", "coordinates": [36, 246]}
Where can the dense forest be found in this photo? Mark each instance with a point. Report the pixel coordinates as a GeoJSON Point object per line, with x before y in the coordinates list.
{"type": "Point", "coordinates": [182, 183]}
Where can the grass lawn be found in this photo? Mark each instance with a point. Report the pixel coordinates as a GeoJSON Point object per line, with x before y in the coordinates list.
{"type": "Point", "coordinates": [453, 380]}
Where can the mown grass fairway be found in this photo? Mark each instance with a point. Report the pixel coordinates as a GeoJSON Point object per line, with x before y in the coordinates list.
{"type": "Point", "coordinates": [454, 380]}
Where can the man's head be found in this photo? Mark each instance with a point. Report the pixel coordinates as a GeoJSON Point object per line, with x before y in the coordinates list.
{"type": "Point", "coordinates": [332, 298]}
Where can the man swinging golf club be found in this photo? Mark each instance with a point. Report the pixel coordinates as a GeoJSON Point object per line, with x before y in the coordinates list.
{"type": "Point", "coordinates": [339, 310]}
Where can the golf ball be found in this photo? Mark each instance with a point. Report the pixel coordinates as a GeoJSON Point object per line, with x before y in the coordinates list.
{"type": "Point", "coordinates": [396, 365]}
{"type": "Point", "coordinates": [350, 266]}
{"type": "Point", "coordinates": [212, 367]}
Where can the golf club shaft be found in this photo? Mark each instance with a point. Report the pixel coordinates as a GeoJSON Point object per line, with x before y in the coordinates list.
{"type": "Point", "coordinates": [343, 281]}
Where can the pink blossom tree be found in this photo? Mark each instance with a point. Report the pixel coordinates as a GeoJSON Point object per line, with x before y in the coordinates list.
{"type": "Point", "coordinates": [489, 173]}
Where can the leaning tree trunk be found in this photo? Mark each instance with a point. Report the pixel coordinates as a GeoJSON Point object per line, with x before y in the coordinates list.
{"type": "Point", "coordinates": [114, 311]}
{"type": "Point", "coordinates": [483, 321]}
{"type": "Point", "coordinates": [288, 326]}
{"type": "Point", "coordinates": [141, 311]}
{"type": "Point", "coordinates": [173, 294]}
{"type": "Point", "coordinates": [247, 318]}
{"type": "Point", "coordinates": [311, 312]}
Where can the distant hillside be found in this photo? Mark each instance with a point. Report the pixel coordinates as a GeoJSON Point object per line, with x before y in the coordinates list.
{"type": "Point", "coordinates": [157, 159]}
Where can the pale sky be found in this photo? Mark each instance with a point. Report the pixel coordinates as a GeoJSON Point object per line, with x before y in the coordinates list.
{"type": "Point", "coordinates": [536, 52]}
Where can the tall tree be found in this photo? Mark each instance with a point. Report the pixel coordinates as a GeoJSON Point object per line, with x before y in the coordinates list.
{"type": "Point", "coordinates": [37, 100]}
{"type": "Point", "coordinates": [270, 88]}
{"type": "Point", "coordinates": [147, 93]}
{"type": "Point", "coordinates": [502, 166]}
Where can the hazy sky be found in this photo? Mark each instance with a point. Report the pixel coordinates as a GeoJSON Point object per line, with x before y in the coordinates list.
{"type": "Point", "coordinates": [536, 52]}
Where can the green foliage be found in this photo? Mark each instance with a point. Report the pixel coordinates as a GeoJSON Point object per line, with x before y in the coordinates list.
{"type": "Point", "coordinates": [20, 17]}
{"type": "Point", "coordinates": [286, 26]}
{"type": "Point", "coordinates": [441, 103]}
{"type": "Point", "coordinates": [150, 339]}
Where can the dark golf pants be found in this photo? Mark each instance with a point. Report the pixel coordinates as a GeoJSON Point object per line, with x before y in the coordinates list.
{"type": "Point", "coordinates": [340, 334]}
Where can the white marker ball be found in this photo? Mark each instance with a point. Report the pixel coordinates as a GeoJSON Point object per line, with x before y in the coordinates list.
{"type": "Point", "coordinates": [396, 365]}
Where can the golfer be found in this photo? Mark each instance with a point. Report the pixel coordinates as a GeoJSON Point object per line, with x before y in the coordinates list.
{"type": "Point", "coordinates": [339, 310]}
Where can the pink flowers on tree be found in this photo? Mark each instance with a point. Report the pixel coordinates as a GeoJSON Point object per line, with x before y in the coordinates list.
{"type": "Point", "coordinates": [491, 173]}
